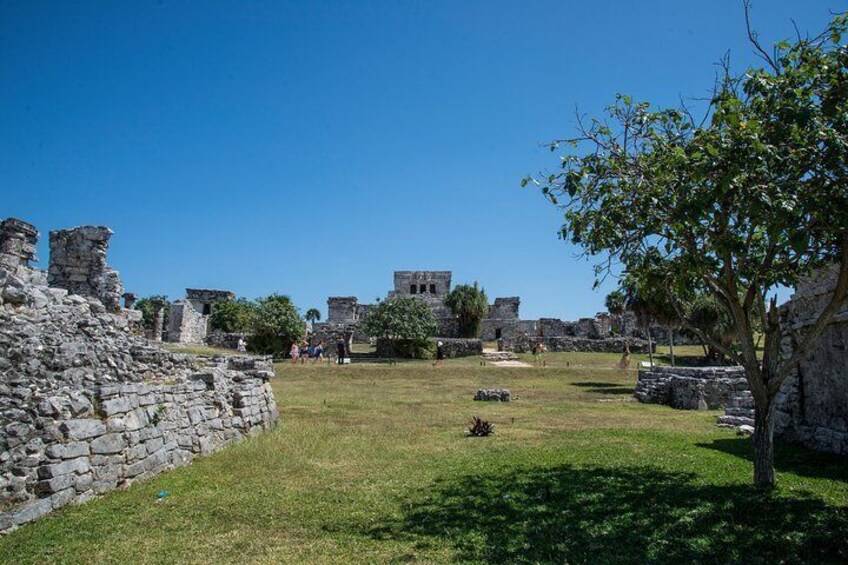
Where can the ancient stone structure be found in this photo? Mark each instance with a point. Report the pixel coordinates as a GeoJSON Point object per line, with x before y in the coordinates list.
{"type": "Point", "coordinates": [812, 406]}
{"type": "Point", "coordinates": [129, 300]}
{"type": "Point", "coordinates": [739, 411]}
{"type": "Point", "coordinates": [342, 309]}
{"type": "Point", "coordinates": [188, 320]}
{"type": "Point", "coordinates": [690, 388]}
{"type": "Point", "coordinates": [502, 324]}
{"type": "Point", "coordinates": [87, 407]}
{"type": "Point", "coordinates": [497, 394]}
{"type": "Point", "coordinates": [524, 343]}
{"type": "Point", "coordinates": [503, 321]}
{"type": "Point", "coordinates": [17, 244]}
{"type": "Point", "coordinates": [78, 264]}
{"type": "Point", "coordinates": [158, 306]}
{"type": "Point", "coordinates": [224, 340]}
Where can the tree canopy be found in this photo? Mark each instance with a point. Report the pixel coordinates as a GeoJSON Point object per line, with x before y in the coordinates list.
{"type": "Point", "coordinates": [400, 317]}
{"type": "Point", "coordinates": [470, 305]}
{"type": "Point", "coordinates": [750, 197]}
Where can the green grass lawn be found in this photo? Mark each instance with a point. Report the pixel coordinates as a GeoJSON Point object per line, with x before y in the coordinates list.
{"type": "Point", "coordinates": [370, 464]}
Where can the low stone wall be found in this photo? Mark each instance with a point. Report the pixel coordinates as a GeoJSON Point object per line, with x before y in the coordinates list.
{"type": "Point", "coordinates": [690, 388]}
{"type": "Point", "coordinates": [224, 340]}
{"type": "Point", "coordinates": [523, 344]}
{"type": "Point", "coordinates": [460, 347]}
{"type": "Point", "coordinates": [87, 406]}
{"type": "Point", "coordinates": [132, 432]}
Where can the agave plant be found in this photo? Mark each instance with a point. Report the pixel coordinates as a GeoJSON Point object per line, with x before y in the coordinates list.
{"type": "Point", "coordinates": [480, 428]}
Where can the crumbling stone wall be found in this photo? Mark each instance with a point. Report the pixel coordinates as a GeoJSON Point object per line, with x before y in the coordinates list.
{"type": "Point", "coordinates": [812, 406]}
{"type": "Point", "coordinates": [17, 244]}
{"type": "Point", "coordinates": [342, 309]}
{"type": "Point", "coordinates": [188, 320]}
{"type": "Point", "coordinates": [690, 388]}
{"type": "Point", "coordinates": [86, 406]}
{"type": "Point", "coordinates": [524, 343]}
{"type": "Point", "coordinates": [505, 308]}
{"type": "Point", "coordinates": [78, 265]}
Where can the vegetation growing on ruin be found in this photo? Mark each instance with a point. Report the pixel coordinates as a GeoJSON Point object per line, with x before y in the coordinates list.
{"type": "Point", "coordinates": [145, 306]}
{"type": "Point", "coordinates": [371, 463]}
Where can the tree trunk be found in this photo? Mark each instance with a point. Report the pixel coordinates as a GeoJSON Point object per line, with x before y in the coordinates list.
{"type": "Point", "coordinates": [671, 344]}
{"type": "Point", "coordinates": [650, 348]}
{"type": "Point", "coordinates": [764, 445]}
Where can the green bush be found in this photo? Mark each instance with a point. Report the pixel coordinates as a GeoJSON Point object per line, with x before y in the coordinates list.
{"type": "Point", "coordinates": [415, 348]}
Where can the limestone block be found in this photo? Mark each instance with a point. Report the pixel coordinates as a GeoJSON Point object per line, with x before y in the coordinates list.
{"type": "Point", "coordinates": [108, 444]}
{"type": "Point", "coordinates": [84, 428]}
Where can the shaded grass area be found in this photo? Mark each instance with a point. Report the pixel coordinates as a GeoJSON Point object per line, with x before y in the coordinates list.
{"type": "Point", "coordinates": [370, 464]}
{"type": "Point", "coordinates": [571, 514]}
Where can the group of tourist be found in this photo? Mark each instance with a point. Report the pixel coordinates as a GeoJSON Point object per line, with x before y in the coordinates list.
{"type": "Point", "coordinates": [305, 350]}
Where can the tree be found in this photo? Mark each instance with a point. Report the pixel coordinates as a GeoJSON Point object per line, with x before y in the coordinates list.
{"type": "Point", "coordinates": [145, 305]}
{"type": "Point", "coordinates": [401, 319]}
{"type": "Point", "coordinates": [752, 197]}
{"type": "Point", "coordinates": [707, 315]}
{"type": "Point", "coordinates": [470, 305]}
{"type": "Point", "coordinates": [276, 326]}
{"type": "Point", "coordinates": [615, 303]}
{"type": "Point", "coordinates": [234, 316]}
{"type": "Point", "coordinates": [313, 315]}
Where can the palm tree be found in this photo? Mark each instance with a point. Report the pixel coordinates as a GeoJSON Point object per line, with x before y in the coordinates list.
{"type": "Point", "coordinates": [313, 315]}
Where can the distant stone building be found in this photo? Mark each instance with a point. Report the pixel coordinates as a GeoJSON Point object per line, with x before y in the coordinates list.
{"type": "Point", "coordinates": [188, 320]}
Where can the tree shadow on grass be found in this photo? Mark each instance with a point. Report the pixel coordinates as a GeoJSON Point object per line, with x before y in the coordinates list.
{"type": "Point", "coordinates": [604, 388]}
{"type": "Point", "coordinates": [594, 515]}
{"type": "Point", "coordinates": [791, 458]}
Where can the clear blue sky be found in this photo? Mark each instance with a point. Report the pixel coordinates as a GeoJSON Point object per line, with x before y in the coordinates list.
{"type": "Point", "coordinates": [312, 148]}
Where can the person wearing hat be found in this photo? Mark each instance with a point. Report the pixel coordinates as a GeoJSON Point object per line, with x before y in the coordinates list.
{"type": "Point", "coordinates": [440, 354]}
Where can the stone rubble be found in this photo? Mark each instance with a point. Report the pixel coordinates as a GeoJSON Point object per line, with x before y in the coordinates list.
{"type": "Point", "coordinates": [497, 394]}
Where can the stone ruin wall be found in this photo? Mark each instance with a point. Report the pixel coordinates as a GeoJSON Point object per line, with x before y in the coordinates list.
{"type": "Point", "coordinates": [87, 407]}
{"type": "Point", "coordinates": [812, 406]}
{"type": "Point", "coordinates": [187, 322]}
{"type": "Point", "coordinates": [524, 343]}
{"type": "Point", "coordinates": [78, 264]}
{"type": "Point", "coordinates": [17, 244]}
{"type": "Point", "coordinates": [690, 388]}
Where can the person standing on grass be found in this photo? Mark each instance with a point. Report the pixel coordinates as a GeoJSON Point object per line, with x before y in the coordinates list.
{"type": "Point", "coordinates": [318, 352]}
{"type": "Point", "coordinates": [294, 352]}
{"type": "Point", "coordinates": [340, 352]}
{"type": "Point", "coordinates": [440, 354]}
{"type": "Point", "coordinates": [538, 349]}
{"type": "Point", "coordinates": [242, 345]}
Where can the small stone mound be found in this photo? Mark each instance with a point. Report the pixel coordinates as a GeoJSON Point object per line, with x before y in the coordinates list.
{"type": "Point", "coordinates": [498, 394]}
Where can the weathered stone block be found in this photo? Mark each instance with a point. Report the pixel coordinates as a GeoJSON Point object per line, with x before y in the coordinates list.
{"type": "Point", "coordinates": [84, 428]}
{"type": "Point", "coordinates": [80, 465]}
{"type": "Point", "coordinates": [109, 443]}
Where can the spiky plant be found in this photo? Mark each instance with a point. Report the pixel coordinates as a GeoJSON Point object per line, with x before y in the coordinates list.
{"type": "Point", "coordinates": [480, 428]}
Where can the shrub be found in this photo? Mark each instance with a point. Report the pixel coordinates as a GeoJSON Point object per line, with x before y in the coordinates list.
{"type": "Point", "coordinates": [480, 428]}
